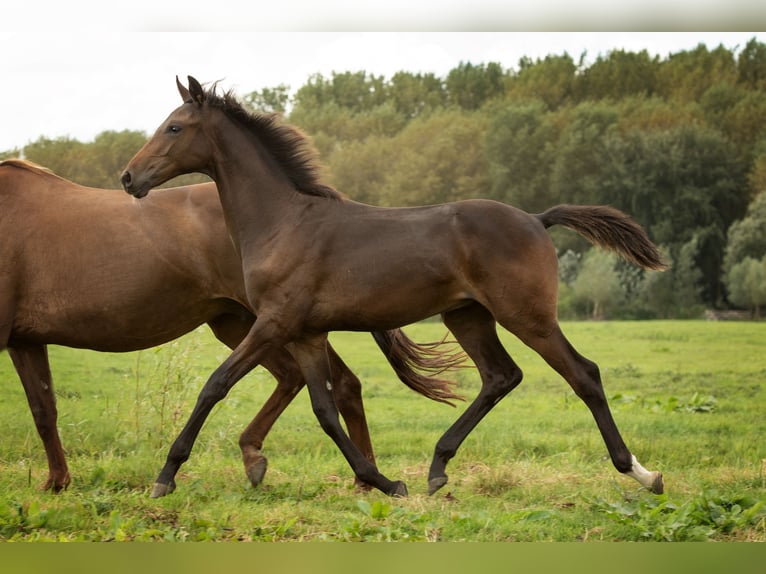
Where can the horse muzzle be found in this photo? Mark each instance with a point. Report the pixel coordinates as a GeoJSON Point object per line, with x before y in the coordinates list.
{"type": "Point", "coordinates": [129, 185]}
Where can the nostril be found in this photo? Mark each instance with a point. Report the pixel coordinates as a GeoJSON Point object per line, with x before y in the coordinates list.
{"type": "Point", "coordinates": [126, 180]}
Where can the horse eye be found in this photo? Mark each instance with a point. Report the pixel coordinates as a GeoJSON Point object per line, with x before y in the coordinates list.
{"type": "Point", "coordinates": [174, 129]}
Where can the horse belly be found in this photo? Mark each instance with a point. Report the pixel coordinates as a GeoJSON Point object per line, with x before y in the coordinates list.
{"type": "Point", "coordinates": [386, 301]}
{"type": "Point", "coordinates": [113, 324]}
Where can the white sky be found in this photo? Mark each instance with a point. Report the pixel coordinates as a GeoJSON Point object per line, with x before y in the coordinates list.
{"type": "Point", "coordinates": [65, 80]}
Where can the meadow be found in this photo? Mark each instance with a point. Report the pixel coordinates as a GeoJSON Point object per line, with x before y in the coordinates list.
{"type": "Point", "coordinates": [688, 396]}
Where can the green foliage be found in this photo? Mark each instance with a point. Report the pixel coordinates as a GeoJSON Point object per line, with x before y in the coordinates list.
{"type": "Point", "coordinates": [96, 164]}
{"type": "Point", "coordinates": [619, 74]}
{"type": "Point", "coordinates": [519, 144]}
{"type": "Point", "coordinates": [700, 519]}
{"type": "Point", "coordinates": [687, 75]}
{"type": "Point", "coordinates": [598, 283]}
{"type": "Point", "coordinates": [551, 79]}
{"type": "Point", "coordinates": [747, 237]}
{"type": "Point", "coordinates": [449, 165]}
{"type": "Point", "coordinates": [269, 99]}
{"type": "Point", "coordinates": [746, 281]}
{"type": "Point", "coordinates": [471, 86]}
{"type": "Point", "coordinates": [751, 63]}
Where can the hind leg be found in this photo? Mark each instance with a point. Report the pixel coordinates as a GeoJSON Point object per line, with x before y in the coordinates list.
{"type": "Point", "coordinates": [584, 378]}
{"type": "Point", "coordinates": [31, 363]}
{"type": "Point", "coordinates": [475, 330]}
{"type": "Point", "coordinates": [347, 391]}
{"type": "Point", "coordinates": [311, 355]}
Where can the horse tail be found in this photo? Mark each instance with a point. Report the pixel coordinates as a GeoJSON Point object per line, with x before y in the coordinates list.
{"type": "Point", "coordinates": [608, 228]}
{"type": "Point", "coordinates": [418, 364]}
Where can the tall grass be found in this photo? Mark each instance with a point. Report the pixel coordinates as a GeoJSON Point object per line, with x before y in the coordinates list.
{"type": "Point", "coordinates": [689, 398]}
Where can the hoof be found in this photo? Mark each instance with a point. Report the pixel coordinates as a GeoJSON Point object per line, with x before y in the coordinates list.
{"type": "Point", "coordinates": [57, 486]}
{"type": "Point", "coordinates": [256, 471]}
{"type": "Point", "coordinates": [436, 483]}
{"type": "Point", "coordinates": [400, 490]}
{"type": "Point", "coordinates": [658, 485]}
{"type": "Point", "coordinates": [159, 490]}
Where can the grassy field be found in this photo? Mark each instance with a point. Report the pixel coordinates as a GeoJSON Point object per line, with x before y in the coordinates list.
{"type": "Point", "coordinates": [689, 398]}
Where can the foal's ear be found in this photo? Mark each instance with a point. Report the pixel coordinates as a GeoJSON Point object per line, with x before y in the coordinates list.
{"type": "Point", "coordinates": [185, 95]}
{"type": "Point", "coordinates": [197, 93]}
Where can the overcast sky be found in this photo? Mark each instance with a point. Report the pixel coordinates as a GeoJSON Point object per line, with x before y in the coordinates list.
{"type": "Point", "coordinates": [78, 84]}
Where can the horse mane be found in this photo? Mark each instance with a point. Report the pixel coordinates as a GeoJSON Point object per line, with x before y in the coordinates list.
{"type": "Point", "coordinates": [288, 145]}
{"type": "Point", "coordinates": [28, 165]}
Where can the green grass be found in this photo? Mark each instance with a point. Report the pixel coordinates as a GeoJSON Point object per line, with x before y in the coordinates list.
{"type": "Point", "coordinates": [689, 398]}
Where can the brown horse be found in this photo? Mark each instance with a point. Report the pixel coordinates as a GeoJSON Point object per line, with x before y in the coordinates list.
{"type": "Point", "coordinates": [315, 262]}
{"type": "Point", "coordinates": [69, 278]}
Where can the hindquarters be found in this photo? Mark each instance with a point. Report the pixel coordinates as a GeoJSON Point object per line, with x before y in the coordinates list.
{"type": "Point", "coordinates": [511, 266]}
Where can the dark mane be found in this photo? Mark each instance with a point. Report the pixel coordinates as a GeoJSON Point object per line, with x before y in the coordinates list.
{"type": "Point", "coordinates": [289, 146]}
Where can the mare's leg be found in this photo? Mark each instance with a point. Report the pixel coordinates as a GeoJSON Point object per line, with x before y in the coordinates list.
{"type": "Point", "coordinates": [31, 363]}
{"type": "Point", "coordinates": [584, 378]}
{"type": "Point", "coordinates": [347, 390]}
{"type": "Point", "coordinates": [475, 330]}
{"type": "Point", "coordinates": [311, 355]}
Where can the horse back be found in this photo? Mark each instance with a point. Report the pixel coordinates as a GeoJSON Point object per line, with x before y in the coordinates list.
{"type": "Point", "coordinates": [94, 268]}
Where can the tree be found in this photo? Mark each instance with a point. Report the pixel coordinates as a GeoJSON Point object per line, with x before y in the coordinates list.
{"type": "Point", "coordinates": [617, 75]}
{"type": "Point", "coordinates": [656, 296]}
{"type": "Point", "coordinates": [746, 282]}
{"type": "Point", "coordinates": [687, 280]}
{"type": "Point", "coordinates": [360, 168]}
{"type": "Point", "coordinates": [415, 94]}
{"type": "Point", "coordinates": [10, 154]}
{"type": "Point", "coordinates": [747, 237]}
{"type": "Point", "coordinates": [550, 80]}
{"type": "Point", "coordinates": [752, 65]}
{"type": "Point", "coordinates": [757, 175]}
{"type": "Point", "coordinates": [269, 99]}
{"type": "Point", "coordinates": [687, 75]}
{"type": "Point", "coordinates": [519, 147]}
{"type": "Point", "coordinates": [680, 184]}
{"type": "Point", "coordinates": [470, 86]}
{"type": "Point", "coordinates": [580, 159]}
{"type": "Point", "coordinates": [598, 283]}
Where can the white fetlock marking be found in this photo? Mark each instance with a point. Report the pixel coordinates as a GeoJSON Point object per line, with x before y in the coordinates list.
{"type": "Point", "coordinates": [329, 386]}
{"type": "Point", "coordinates": [644, 477]}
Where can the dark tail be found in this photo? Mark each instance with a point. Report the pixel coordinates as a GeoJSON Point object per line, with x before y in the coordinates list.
{"type": "Point", "coordinates": [418, 364]}
{"type": "Point", "coordinates": [608, 228]}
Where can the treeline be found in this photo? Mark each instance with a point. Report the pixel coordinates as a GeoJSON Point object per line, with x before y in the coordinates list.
{"type": "Point", "coordinates": [677, 142]}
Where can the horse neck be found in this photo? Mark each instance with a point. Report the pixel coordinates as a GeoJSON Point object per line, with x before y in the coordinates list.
{"type": "Point", "coordinates": [255, 193]}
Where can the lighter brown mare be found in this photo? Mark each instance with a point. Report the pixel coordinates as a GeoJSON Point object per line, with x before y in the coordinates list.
{"type": "Point", "coordinates": [316, 262]}
{"type": "Point", "coordinates": [94, 269]}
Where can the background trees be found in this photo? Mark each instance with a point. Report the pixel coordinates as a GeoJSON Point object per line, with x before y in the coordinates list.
{"type": "Point", "coordinates": [679, 143]}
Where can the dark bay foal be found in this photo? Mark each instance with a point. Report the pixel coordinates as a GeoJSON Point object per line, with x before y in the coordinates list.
{"type": "Point", "coordinates": [314, 262]}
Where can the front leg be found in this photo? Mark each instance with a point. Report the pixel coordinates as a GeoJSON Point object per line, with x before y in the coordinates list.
{"type": "Point", "coordinates": [33, 368]}
{"type": "Point", "coordinates": [248, 354]}
{"type": "Point", "coordinates": [311, 355]}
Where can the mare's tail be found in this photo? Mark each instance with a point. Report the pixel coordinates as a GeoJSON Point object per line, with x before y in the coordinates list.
{"type": "Point", "coordinates": [608, 228]}
{"type": "Point", "coordinates": [418, 364]}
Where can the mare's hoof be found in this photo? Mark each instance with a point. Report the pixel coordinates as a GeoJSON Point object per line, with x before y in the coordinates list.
{"type": "Point", "coordinates": [436, 483]}
{"type": "Point", "coordinates": [256, 471]}
{"type": "Point", "coordinates": [658, 485]}
{"type": "Point", "coordinates": [57, 486]}
{"type": "Point", "coordinates": [159, 490]}
{"type": "Point", "coordinates": [400, 490]}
